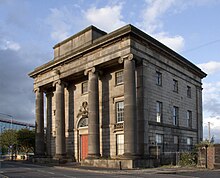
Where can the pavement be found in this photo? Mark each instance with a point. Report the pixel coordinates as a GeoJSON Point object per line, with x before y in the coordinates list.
{"type": "Point", "coordinates": [159, 170]}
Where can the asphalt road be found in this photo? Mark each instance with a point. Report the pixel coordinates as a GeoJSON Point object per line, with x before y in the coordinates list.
{"type": "Point", "coordinates": [20, 170]}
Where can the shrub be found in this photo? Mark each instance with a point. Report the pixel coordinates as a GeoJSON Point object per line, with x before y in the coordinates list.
{"type": "Point", "coordinates": [188, 159]}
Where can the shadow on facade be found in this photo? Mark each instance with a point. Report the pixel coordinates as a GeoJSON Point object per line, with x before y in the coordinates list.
{"type": "Point", "coordinates": [105, 116]}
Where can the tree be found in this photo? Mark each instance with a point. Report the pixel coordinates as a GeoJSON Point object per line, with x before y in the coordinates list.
{"type": "Point", "coordinates": [26, 140]}
{"type": "Point", "coordinates": [8, 139]}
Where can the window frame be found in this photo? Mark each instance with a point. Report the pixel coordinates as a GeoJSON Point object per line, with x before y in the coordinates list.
{"type": "Point", "coordinates": [189, 118]}
{"type": "Point", "coordinates": [119, 146]}
{"type": "Point", "coordinates": [159, 112]}
{"type": "Point", "coordinates": [175, 86]}
{"type": "Point", "coordinates": [189, 92]}
{"type": "Point", "coordinates": [175, 140]}
{"type": "Point", "coordinates": [83, 87]}
{"type": "Point", "coordinates": [175, 115]}
{"type": "Point", "coordinates": [159, 78]}
{"type": "Point", "coordinates": [118, 113]}
{"type": "Point", "coordinates": [190, 139]}
{"type": "Point", "coordinates": [121, 77]}
{"type": "Point", "coordinates": [159, 139]}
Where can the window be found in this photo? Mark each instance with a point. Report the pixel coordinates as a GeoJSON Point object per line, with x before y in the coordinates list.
{"type": "Point", "coordinates": [188, 91]}
{"type": "Point", "coordinates": [120, 144]}
{"type": "Point", "coordinates": [175, 115]}
{"type": "Point", "coordinates": [189, 118]}
{"type": "Point", "coordinates": [176, 140]}
{"type": "Point", "coordinates": [119, 78]}
{"type": "Point", "coordinates": [84, 87]}
{"type": "Point", "coordinates": [176, 143]}
{"type": "Point", "coordinates": [159, 139]}
{"type": "Point", "coordinates": [159, 78]}
{"type": "Point", "coordinates": [189, 141]}
{"type": "Point", "coordinates": [119, 111]}
{"type": "Point", "coordinates": [175, 85]}
{"type": "Point", "coordinates": [159, 111]}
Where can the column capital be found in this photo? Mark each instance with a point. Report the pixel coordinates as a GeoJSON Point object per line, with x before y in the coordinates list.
{"type": "Point", "coordinates": [127, 57]}
{"type": "Point", "coordinates": [56, 82]}
{"type": "Point", "coordinates": [37, 89]}
{"type": "Point", "coordinates": [92, 69]}
{"type": "Point", "coordinates": [59, 82]}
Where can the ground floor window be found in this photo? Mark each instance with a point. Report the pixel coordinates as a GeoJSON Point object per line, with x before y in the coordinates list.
{"type": "Point", "coordinates": [120, 144]}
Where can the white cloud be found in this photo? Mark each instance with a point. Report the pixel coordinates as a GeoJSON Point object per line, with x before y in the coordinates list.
{"type": "Point", "coordinates": [154, 10]}
{"type": "Point", "coordinates": [214, 128]}
{"type": "Point", "coordinates": [210, 67]}
{"type": "Point", "coordinates": [59, 22]}
{"type": "Point", "coordinates": [152, 24]}
{"type": "Point", "coordinates": [211, 102]}
{"type": "Point", "coordinates": [9, 45]}
{"type": "Point", "coordinates": [176, 42]}
{"type": "Point", "coordinates": [65, 21]}
{"type": "Point", "coordinates": [108, 18]}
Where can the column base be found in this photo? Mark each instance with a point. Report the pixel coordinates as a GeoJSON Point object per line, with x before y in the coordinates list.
{"type": "Point", "coordinates": [61, 156]}
{"type": "Point", "coordinates": [93, 156]}
{"type": "Point", "coordinates": [40, 156]}
{"type": "Point", "coordinates": [131, 156]}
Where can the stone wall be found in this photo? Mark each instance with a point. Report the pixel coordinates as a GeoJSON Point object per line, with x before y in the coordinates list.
{"type": "Point", "coordinates": [213, 156]}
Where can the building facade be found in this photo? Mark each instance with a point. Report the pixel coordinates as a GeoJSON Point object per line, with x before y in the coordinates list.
{"type": "Point", "coordinates": [121, 95]}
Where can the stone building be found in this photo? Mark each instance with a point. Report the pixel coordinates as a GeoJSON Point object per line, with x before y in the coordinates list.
{"type": "Point", "coordinates": [121, 96]}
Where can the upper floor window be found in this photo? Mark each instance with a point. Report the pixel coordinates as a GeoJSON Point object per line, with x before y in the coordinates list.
{"type": "Point", "coordinates": [188, 91]}
{"type": "Point", "coordinates": [175, 85]}
{"type": "Point", "coordinates": [159, 111]}
{"type": "Point", "coordinates": [159, 78]}
{"type": "Point", "coordinates": [119, 111]}
{"type": "Point", "coordinates": [84, 87]}
{"type": "Point", "coordinates": [175, 115]}
{"type": "Point", "coordinates": [119, 78]}
{"type": "Point", "coordinates": [189, 118]}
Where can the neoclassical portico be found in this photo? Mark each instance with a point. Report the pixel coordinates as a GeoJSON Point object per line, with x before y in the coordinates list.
{"type": "Point", "coordinates": [130, 126]}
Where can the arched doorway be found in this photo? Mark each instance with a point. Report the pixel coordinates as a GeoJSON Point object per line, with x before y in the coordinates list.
{"type": "Point", "coordinates": [83, 138]}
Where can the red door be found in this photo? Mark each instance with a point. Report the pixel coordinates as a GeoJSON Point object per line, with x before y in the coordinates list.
{"type": "Point", "coordinates": [84, 146]}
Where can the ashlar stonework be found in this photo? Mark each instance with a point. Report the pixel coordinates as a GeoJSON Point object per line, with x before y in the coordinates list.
{"type": "Point", "coordinates": [121, 98]}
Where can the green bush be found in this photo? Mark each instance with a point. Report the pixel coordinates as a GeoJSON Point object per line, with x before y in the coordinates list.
{"type": "Point", "coordinates": [188, 159]}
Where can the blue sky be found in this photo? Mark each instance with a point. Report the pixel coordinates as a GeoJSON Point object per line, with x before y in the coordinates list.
{"type": "Point", "coordinates": [30, 28]}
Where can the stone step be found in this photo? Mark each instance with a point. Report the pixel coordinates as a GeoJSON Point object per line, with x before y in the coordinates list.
{"type": "Point", "coordinates": [217, 166]}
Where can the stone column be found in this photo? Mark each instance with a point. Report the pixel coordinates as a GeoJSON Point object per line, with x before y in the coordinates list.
{"type": "Point", "coordinates": [49, 122]}
{"type": "Point", "coordinates": [70, 139]}
{"type": "Point", "coordinates": [39, 138]}
{"type": "Point", "coordinates": [130, 116]}
{"type": "Point", "coordinates": [60, 121]}
{"type": "Point", "coordinates": [93, 114]}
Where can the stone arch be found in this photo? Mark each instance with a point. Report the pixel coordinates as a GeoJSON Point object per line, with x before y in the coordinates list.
{"type": "Point", "coordinates": [83, 122]}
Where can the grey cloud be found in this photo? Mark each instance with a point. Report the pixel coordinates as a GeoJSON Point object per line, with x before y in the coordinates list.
{"type": "Point", "coordinates": [16, 96]}
{"type": "Point", "coordinates": [212, 106]}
